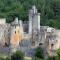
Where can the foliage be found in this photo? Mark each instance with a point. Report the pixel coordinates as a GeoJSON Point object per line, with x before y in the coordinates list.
{"type": "Point", "coordinates": [7, 58]}
{"type": "Point", "coordinates": [39, 53]}
{"type": "Point", "coordinates": [51, 58]}
{"type": "Point", "coordinates": [17, 56]}
{"type": "Point", "coordinates": [58, 54]}
{"type": "Point", "coordinates": [1, 58]}
{"type": "Point", "coordinates": [49, 9]}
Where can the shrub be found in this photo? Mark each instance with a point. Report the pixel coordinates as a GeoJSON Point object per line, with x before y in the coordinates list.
{"type": "Point", "coordinates": [17, 56]}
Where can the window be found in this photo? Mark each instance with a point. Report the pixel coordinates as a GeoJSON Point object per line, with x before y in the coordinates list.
{"type": "Point", "coordinates": [52, 46]}
{"type": "Point", "coordinates": [40, 44]}
{"type": "Point", "coordinates": [8, 30]}
{"type": "Point", "coordinates": [15, 32]}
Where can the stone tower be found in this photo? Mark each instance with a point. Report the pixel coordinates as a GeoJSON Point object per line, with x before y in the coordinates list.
{"type": "Point", "coordinates": [34, 19]}
{"type": "Point", "coordinates": [16, 34]}
{"type": "Point", "coordinates": [34, 22]}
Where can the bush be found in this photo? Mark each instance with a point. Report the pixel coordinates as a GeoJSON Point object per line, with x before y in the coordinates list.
{"type": "Point", "coordinates": [8, 58]}
{"type": "Point", "coordinates": [17, 56]}
{"type": "Point", "coordinates": [1, 58]}
{"type": "Point", "coordinates": [39, 53]}
{"type": "Point", "coordinates": [51, 58]}
{"type": "Point", "coordinates": [58, 54]}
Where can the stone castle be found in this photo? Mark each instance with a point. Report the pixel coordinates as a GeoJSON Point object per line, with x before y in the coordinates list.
{"type": "Point", "coordinates": [29, 34]}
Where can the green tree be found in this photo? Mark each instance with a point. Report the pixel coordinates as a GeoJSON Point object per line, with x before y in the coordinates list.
{"type": "Point", "coordinates": [49, 9]}
{"type": "Point", "coordinates": [7, 58]}
{"type": "Point", "coordinates": [1, 58]}
{"type": "Point", "coordinates": [58, 54]}
{"type": "Point", "coordinates": [17, 56]}
{"type": "Point", "coordinates": [51, 58]}
{"type": "Point", "coordinates": [39, 53]}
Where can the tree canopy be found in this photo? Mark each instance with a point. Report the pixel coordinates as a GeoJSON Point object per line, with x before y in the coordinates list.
{"type": "Point", "coordinates": [49, 9]}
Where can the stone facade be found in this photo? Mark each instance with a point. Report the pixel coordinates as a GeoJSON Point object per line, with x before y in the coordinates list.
{"type": "Point", "coordinates": [29, 34]}
{"type": "Point", "coordinates": [4, 32]}
{"type": "Point", "coordinates": [50, 39]}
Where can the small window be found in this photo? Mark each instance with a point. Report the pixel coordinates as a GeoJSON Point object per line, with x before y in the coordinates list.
{"type": "Point", "coordinates": [8, 30]}
{"type": "Point", "coordinates": [6, 44]}
{"type": "Point", "coordinates": [15, 32]}
{"type": "Point", "coordinates": [52, 45]}
{"type": "Point", "coordinates": [40, 44]}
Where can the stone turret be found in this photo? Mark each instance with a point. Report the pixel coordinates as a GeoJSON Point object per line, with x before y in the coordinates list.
{"type": "Point", "coordinates": [34, 23]}
{"type": "Point", "coordinates": [34, 19]}
{"type": "Point", "coordinates": [16, 34]}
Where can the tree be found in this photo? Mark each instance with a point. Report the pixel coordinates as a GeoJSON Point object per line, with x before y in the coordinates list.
{"type": "Point", "coordinates": [51, 58]}
{"type": "Point", "coordinates": [39, 53]}
{"type": "Point", "coordinates": [7, 58]}
{"type": "Point", "coordinates": [49, 9]}
{"type": "Point", "coordinates": [17, 56]}
{"type": "Point", "coordinates": [58, 54]}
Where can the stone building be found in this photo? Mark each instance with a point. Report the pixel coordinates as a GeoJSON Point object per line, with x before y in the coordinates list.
{"type": "Point", "coordinates": [25, 35]}
{"type": "Point", "coordinates": [50, 39]}
{"type": "Point", "coordinates": [53, 41]}
{"type": "Point", "coordinates": [17, 34]}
